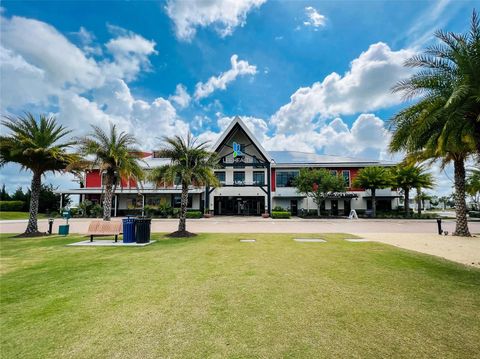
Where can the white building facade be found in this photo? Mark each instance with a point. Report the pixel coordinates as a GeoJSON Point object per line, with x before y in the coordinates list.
{"type": "Point", "coordinates": [253, 182]}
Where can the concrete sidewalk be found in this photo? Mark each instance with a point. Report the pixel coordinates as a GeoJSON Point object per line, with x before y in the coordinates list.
{"type": "Point", "coordinates": [458, 249]}
{"type": "Point", "coordinates": [261, 225]}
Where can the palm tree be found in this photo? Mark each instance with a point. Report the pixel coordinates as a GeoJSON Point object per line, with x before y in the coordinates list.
{"type": "Point", "coordinates": [116, 157]}
{"type": "Point", "coordinates": [444, 124]}
{"type": "Point", "coordinates": [34, 145]}
{"type": "Point", "coordinates": [408, 177]}
{"type": "Point", "coordinates": [373, 178]}
{"type": "Point", "coordinates": [421, 198]}
{"type": "Point", "coordinates": [191, 164]}
{"type": "Point", "coordinates": [472, 186]}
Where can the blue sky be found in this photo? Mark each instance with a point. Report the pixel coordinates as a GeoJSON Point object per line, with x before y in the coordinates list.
{"type": "Point", "coordinates": [306, 75]}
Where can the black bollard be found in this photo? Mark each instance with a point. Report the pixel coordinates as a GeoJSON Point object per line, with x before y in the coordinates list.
{"type": "Point", "coordinates": [50, 225]}
{"type": "Point", "coordinates": [439, 223]}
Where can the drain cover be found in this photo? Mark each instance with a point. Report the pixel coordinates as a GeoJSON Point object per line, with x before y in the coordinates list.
{"type": "Point", "coordinates": [309, 240]}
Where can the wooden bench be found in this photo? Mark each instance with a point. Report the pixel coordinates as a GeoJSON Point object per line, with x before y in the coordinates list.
{"type": "Point", "coordinates": [104, 228]}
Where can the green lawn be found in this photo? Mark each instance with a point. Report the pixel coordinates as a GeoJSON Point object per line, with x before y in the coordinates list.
{"type": "Point", "coordinates": [18, 215]}
{"type": "Point", "coordinates": [211, 296]}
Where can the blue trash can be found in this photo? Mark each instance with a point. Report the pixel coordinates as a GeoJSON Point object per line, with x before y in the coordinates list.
{"type": "Point", "coordinates": [129, 230]}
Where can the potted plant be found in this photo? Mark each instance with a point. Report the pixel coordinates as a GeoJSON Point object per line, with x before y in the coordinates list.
{"type": "Point", "coordinates": [265, 215]}
{"type": "Point", "coordinates": [207, 214]}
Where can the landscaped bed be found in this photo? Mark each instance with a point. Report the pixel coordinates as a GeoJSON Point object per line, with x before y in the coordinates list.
{"type": "Point", "coordinates": [212, 295]}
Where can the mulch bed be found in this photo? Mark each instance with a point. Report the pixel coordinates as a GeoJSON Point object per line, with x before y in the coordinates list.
{"type": "Point", "coordinates": [181, 234]}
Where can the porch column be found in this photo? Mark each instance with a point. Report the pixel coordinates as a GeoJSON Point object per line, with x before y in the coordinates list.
{"type": "Point", "coordinates": [61, 202]}
{"type": "Point", "coordinates": [207, 198]}
{"type": "Point", "coordinates": [269, 192]}
{"type": "Point", "coordinates": [143, 205]}
{"type": "Point", "coordinates": [115, 206]}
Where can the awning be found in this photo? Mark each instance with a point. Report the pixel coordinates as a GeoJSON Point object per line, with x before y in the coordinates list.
{"type": "Point", "coordinates": [383, 197]}
{"type": "Point", "coordinates": [134, 191]}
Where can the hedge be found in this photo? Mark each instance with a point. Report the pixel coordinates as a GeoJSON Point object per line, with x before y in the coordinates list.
{"type": "Point", "coordinates": [280, 215]}
{"type": "Point", "coordinates": [12, 206]}
{"type": "Point", "coordinates": [194, 214]}
{"type": "Point", "coordinates": [474, 214]}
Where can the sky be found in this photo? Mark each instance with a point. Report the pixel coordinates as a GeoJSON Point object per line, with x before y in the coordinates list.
{"type": "Point", "coordinates": [313, 76]}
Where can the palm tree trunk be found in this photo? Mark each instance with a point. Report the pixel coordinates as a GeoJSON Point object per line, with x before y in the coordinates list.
{"type": "Point", "coordinates": [407, 202]}
{"type": "Point", "coordinates": [461, 227]}
{"type": "Point", "coordinates": [182, 223]}
{"type": "Point", "coordinates": [32, 226]}
{"type": "Point", "coordinates": [374, 202]}
{"type": "Point", "coordinates": [107, 200]}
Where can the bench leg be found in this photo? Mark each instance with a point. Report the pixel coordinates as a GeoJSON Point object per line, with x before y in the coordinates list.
{"type": "Point", "coordinates": [116, 238]}
{"type": "Point", "coordinates": [91, 238]}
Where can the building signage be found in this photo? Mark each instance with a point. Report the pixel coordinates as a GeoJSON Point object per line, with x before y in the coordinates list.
{"type": "Point", "coordinates": [334, 195]}
{"type": "Point", "coordinates": [237, 150]}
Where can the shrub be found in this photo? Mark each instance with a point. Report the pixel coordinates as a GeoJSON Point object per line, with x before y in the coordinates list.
{"type": "Point", "coordinates": [280, 214]}
{"type": "Point", "coordinates": [474, 214]}
{"type": "Point", "coordinates": [12, 206]}
{"type": "Point", "coordinates": [194, 214]}
{"type": "Point", "coordinates": [97, 211]}
{"type": "Point", "coordinates": [150, 211]}
{"type": "Point", "coordinates": [278, 209]}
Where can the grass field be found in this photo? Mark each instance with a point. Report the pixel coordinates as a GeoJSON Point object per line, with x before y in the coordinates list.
{"type": "Point", "coordinates": [211, 296]}
{"type": "Point", "coordinates": [18, 215]}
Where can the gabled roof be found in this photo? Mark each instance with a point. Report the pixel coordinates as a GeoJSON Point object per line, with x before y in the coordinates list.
{"type": "Point", "coordinates": [238, 121]}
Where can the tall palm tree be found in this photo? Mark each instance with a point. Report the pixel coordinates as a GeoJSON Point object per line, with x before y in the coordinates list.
{"type": "Point", "coordinates": [34, 145]}
{"type": "Point", "coordinates": [115, 155]}
{"type": "Point", "coordinates": [445, 122]}
{"type": "Point", "coordinates": [191, 164]}
{"type": "Point", "coordinates": [408, 177]}
{"type": "Point", "coordinates": [373, 178]}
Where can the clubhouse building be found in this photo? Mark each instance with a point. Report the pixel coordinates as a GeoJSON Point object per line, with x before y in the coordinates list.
{"type": "Point", "coordinates": [253, 181]}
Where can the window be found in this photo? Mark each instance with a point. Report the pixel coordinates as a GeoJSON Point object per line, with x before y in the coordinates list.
{"type": "Point", "coordinates": [239, 178]}
{"type": "Point", "coordinates": [220, 176]}
{"type": "Point", "coordinates": [258, 178]}
{"type": "Point", "coordinates": [346, 177]}
{"type": "Point", "coordinates": [177, 201]}
{"type": "Point", "coordinates": [286, 178]}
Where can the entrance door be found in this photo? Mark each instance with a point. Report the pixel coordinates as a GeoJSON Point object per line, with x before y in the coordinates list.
{"type": "Point", "coordinates": [334, 206]}
{"type": "Point", "coordinates": [347, 207]}
{"type": "Point", "coordinates": [239, 206]}
{"type": "Point", "coordinates": [294, 207]}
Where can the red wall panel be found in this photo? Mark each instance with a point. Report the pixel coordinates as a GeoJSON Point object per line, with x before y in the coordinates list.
{"type": "Point", "coordinates": [93, 179]}
{"type": "Point", "coordinates": [273, 183]}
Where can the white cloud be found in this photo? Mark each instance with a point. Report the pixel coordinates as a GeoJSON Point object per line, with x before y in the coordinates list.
{"type": "Point", "coordinates": [224, 15]}
{"type": "Point", "coordinates": [181, 97]}
{"type": "Point", "coordinates": [365, 87]}
{"type": "Point", "coordinates": [366, 138]}
{"type": "Point", "coordinates": [130, 53]}
{"type": "Point", "coordinates": [43, 47]}
{"type": "Point", "coordinates": [239, 68]}
{"type": "Point", "coordinates": [315, 19]}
